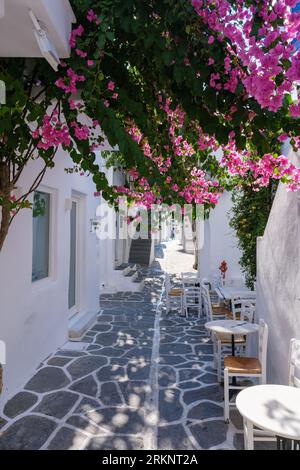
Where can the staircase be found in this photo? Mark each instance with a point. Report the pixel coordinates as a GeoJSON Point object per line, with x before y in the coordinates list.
{"type": "Point", "coordinates": [140, 251]}
{"type": "Point", "coordinates": [127, 278]}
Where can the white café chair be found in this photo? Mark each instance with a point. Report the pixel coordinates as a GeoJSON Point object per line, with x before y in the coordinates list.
{"type": "Point", "coordinates": [174, 295]}
{"type": "Point", "coordinates": [212, 312]}
{"type": "Point", "coordinates": [189, 280]}
{"type": "Point", "coordinates": [246, 313]}
{"type": "Point", "coordinates": [294, 363]}
{"type": "Point", "coordinates": [192, 299]}
{"type": "Point", "coordinates": [243, 366]}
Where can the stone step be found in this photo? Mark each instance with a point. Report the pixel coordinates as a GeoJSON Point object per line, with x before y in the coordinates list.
{"type": "Point", "coordinates": [80, 323]}
{"type": "Point", "coordinates": [132, 274]}
{"type": "Point", "coordinates": [131, 268]}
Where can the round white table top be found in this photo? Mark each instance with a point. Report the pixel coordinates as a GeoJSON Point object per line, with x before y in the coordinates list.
{"type": "Point", "coordinates": [232, 327]}
{"type": "Point", "coordinates": [274, 408]}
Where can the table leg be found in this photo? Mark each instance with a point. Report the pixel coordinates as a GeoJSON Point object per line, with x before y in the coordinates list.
{"type": "Point", "coordinates": [233, 354]}
{"type": "Point", "coordinates": [248, 435]}
{"type": "Point", "coordinates": [232, 346]}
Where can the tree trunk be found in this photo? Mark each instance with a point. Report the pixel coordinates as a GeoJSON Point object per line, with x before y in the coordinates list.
{"type": "Point", "coordinates": [5, 193]}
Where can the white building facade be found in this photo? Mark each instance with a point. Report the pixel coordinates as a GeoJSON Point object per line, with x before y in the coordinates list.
{"type": "Point", "coordinates": [53, 264]}
{"type": "Point", "coordinates": [219, 243]}
{"type": "Point", "coordinates": [278, 277]}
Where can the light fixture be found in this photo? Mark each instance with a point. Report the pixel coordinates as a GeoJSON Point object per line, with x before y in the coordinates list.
{"type": "Point", "coordinates": [95, 225]}
{"type": "Point", "coordinates": [2, 11]}
{"type": "Point", "coordinates": [47, 48]}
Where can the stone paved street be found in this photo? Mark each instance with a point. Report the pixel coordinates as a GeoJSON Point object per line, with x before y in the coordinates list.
{"type": "Point", "coordinates": [143, 381]}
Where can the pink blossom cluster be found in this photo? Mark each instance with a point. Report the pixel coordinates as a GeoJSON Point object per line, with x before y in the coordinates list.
{"type": "Point", "coordinates": [261, 170]}
{"type": "Point", "coordinates": [82, 132]}
{"type": "Point", "coordinates": [52, 133]}
{"type": "Point", "coordinates": [69, 83]}
{"type": "Point", "coordinates": [92, 17]}
{"type": "Point", "coordinates": [256, 60]}
{"type": "Point", "coordinates": [206, 142]}
{"type": "Point", "coordinates": [77, 32]}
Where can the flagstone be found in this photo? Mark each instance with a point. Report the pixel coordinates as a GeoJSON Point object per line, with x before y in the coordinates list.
{"type": "Point", "coordinates": [87, 386]}
{"type": "Point", "coordinates": [19, 404]}
{"type": "Point", "coordinates": [67, 439]}
{"type": "Point", "coordinates": [47, 379]}
{"type": "Point", "coordinates": [56, 404]}
{"type": "Point", "coordinates": [173, 437]}
{"type": "Point", "coordinates": [85, 365]}
{"type": "Point", "coordinates": [27, 433]}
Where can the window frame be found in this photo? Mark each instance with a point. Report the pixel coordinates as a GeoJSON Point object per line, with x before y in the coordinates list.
{"type": "Point", "coordinates": [52, 230]}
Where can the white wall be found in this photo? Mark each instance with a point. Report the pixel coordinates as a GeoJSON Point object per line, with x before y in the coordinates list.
{"type": "Point", "coordinates": [278, 277]}
{"type": "Point", "coordinates": [114, 247]}
{"type": "Point", "coordinates": [220, 243]}
{"type": "Point", "coordinates": [34, 316]}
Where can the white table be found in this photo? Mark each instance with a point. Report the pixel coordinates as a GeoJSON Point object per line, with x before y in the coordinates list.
{"type": "Point", "coordinates": [226, 293]}
{"type": "Point", "coordinates": [232, 327]}
{"type": "Point", "coordinates": [273, 408]}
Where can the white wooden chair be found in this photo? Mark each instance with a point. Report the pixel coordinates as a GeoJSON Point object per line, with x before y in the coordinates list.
{"type": "Point", "coordinates": [212, 312]}
{"type": "Point", "coordinates": [242, 366]}
{"type": "Point", "coordinates": [192, 299]}
{"type": "Point", "coordinates": [189, 280]}
{"type": "Point", "coordinates": [246, 309]}
{"type": "Point", "coordinates": [174, 295]}
{"type": "Point", "coordinates": [240, 307]}
{"type": "Point", "coordinates": [294, 363]}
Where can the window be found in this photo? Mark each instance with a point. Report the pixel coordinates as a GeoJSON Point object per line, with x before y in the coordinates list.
{"type": "Point", "coordinates": [41, 236]}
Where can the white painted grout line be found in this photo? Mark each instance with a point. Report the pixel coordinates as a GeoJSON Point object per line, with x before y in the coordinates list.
{"type": "Point", "coordinates": [152, 402]}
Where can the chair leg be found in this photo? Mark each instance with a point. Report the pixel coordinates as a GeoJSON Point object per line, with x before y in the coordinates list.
{"type": "Point", "coordinates": [215, 352]}
{"type": "Point", "coordinates": [248, 435]}
{"type": "Point", "coordinates": [247, 347]}
{"type": "Point", "coordinates": [219, 356]}
{"type": "Point", "coordinates": [167, 304]}
{"type": "Point", "coordinates": [263, 379]}
{"type": "Point", "coordinates": [226, 396]}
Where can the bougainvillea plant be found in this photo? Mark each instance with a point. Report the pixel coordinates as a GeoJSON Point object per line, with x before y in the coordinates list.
{"type": "Point", "coordinates": [197, 95]}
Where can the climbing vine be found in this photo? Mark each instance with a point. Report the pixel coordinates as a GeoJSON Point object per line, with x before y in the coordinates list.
{"type": "Point", "coordinates": [197, 96]}
{"type": "Point", "coordinates": [249, 217]}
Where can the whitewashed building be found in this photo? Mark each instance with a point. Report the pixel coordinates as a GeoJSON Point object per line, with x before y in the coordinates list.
{"type": "Point", "coordinates": [53, 264]}
{"type": "Point", "coordinates": [220, 244]}
{"type": "Point", "coordinates": [278, 277]}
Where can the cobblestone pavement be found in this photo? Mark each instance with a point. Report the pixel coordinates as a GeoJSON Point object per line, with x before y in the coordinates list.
{"type": "Point", "coordinates": [144, 381]}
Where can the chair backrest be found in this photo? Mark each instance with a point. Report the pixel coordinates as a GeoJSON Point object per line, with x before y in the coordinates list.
{"type": "Point", "coordinates": [294, 363]}
{"type": "Point", "coordinates": [207, 303]}
{"type": "Point", "coordinates": [236, 306]}
{"type": "Point", "coordinates": [263, 346]}
{"type": "Point", "coordinates": [192, 292]}
{"type": "Point", "coordinates": [248, 311]}
{"type": "Point", "coordinates": [189, 274]}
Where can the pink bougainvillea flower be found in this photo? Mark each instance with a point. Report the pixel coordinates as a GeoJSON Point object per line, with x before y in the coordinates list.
{"type": "Point", "coordinates": [111, 86]}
